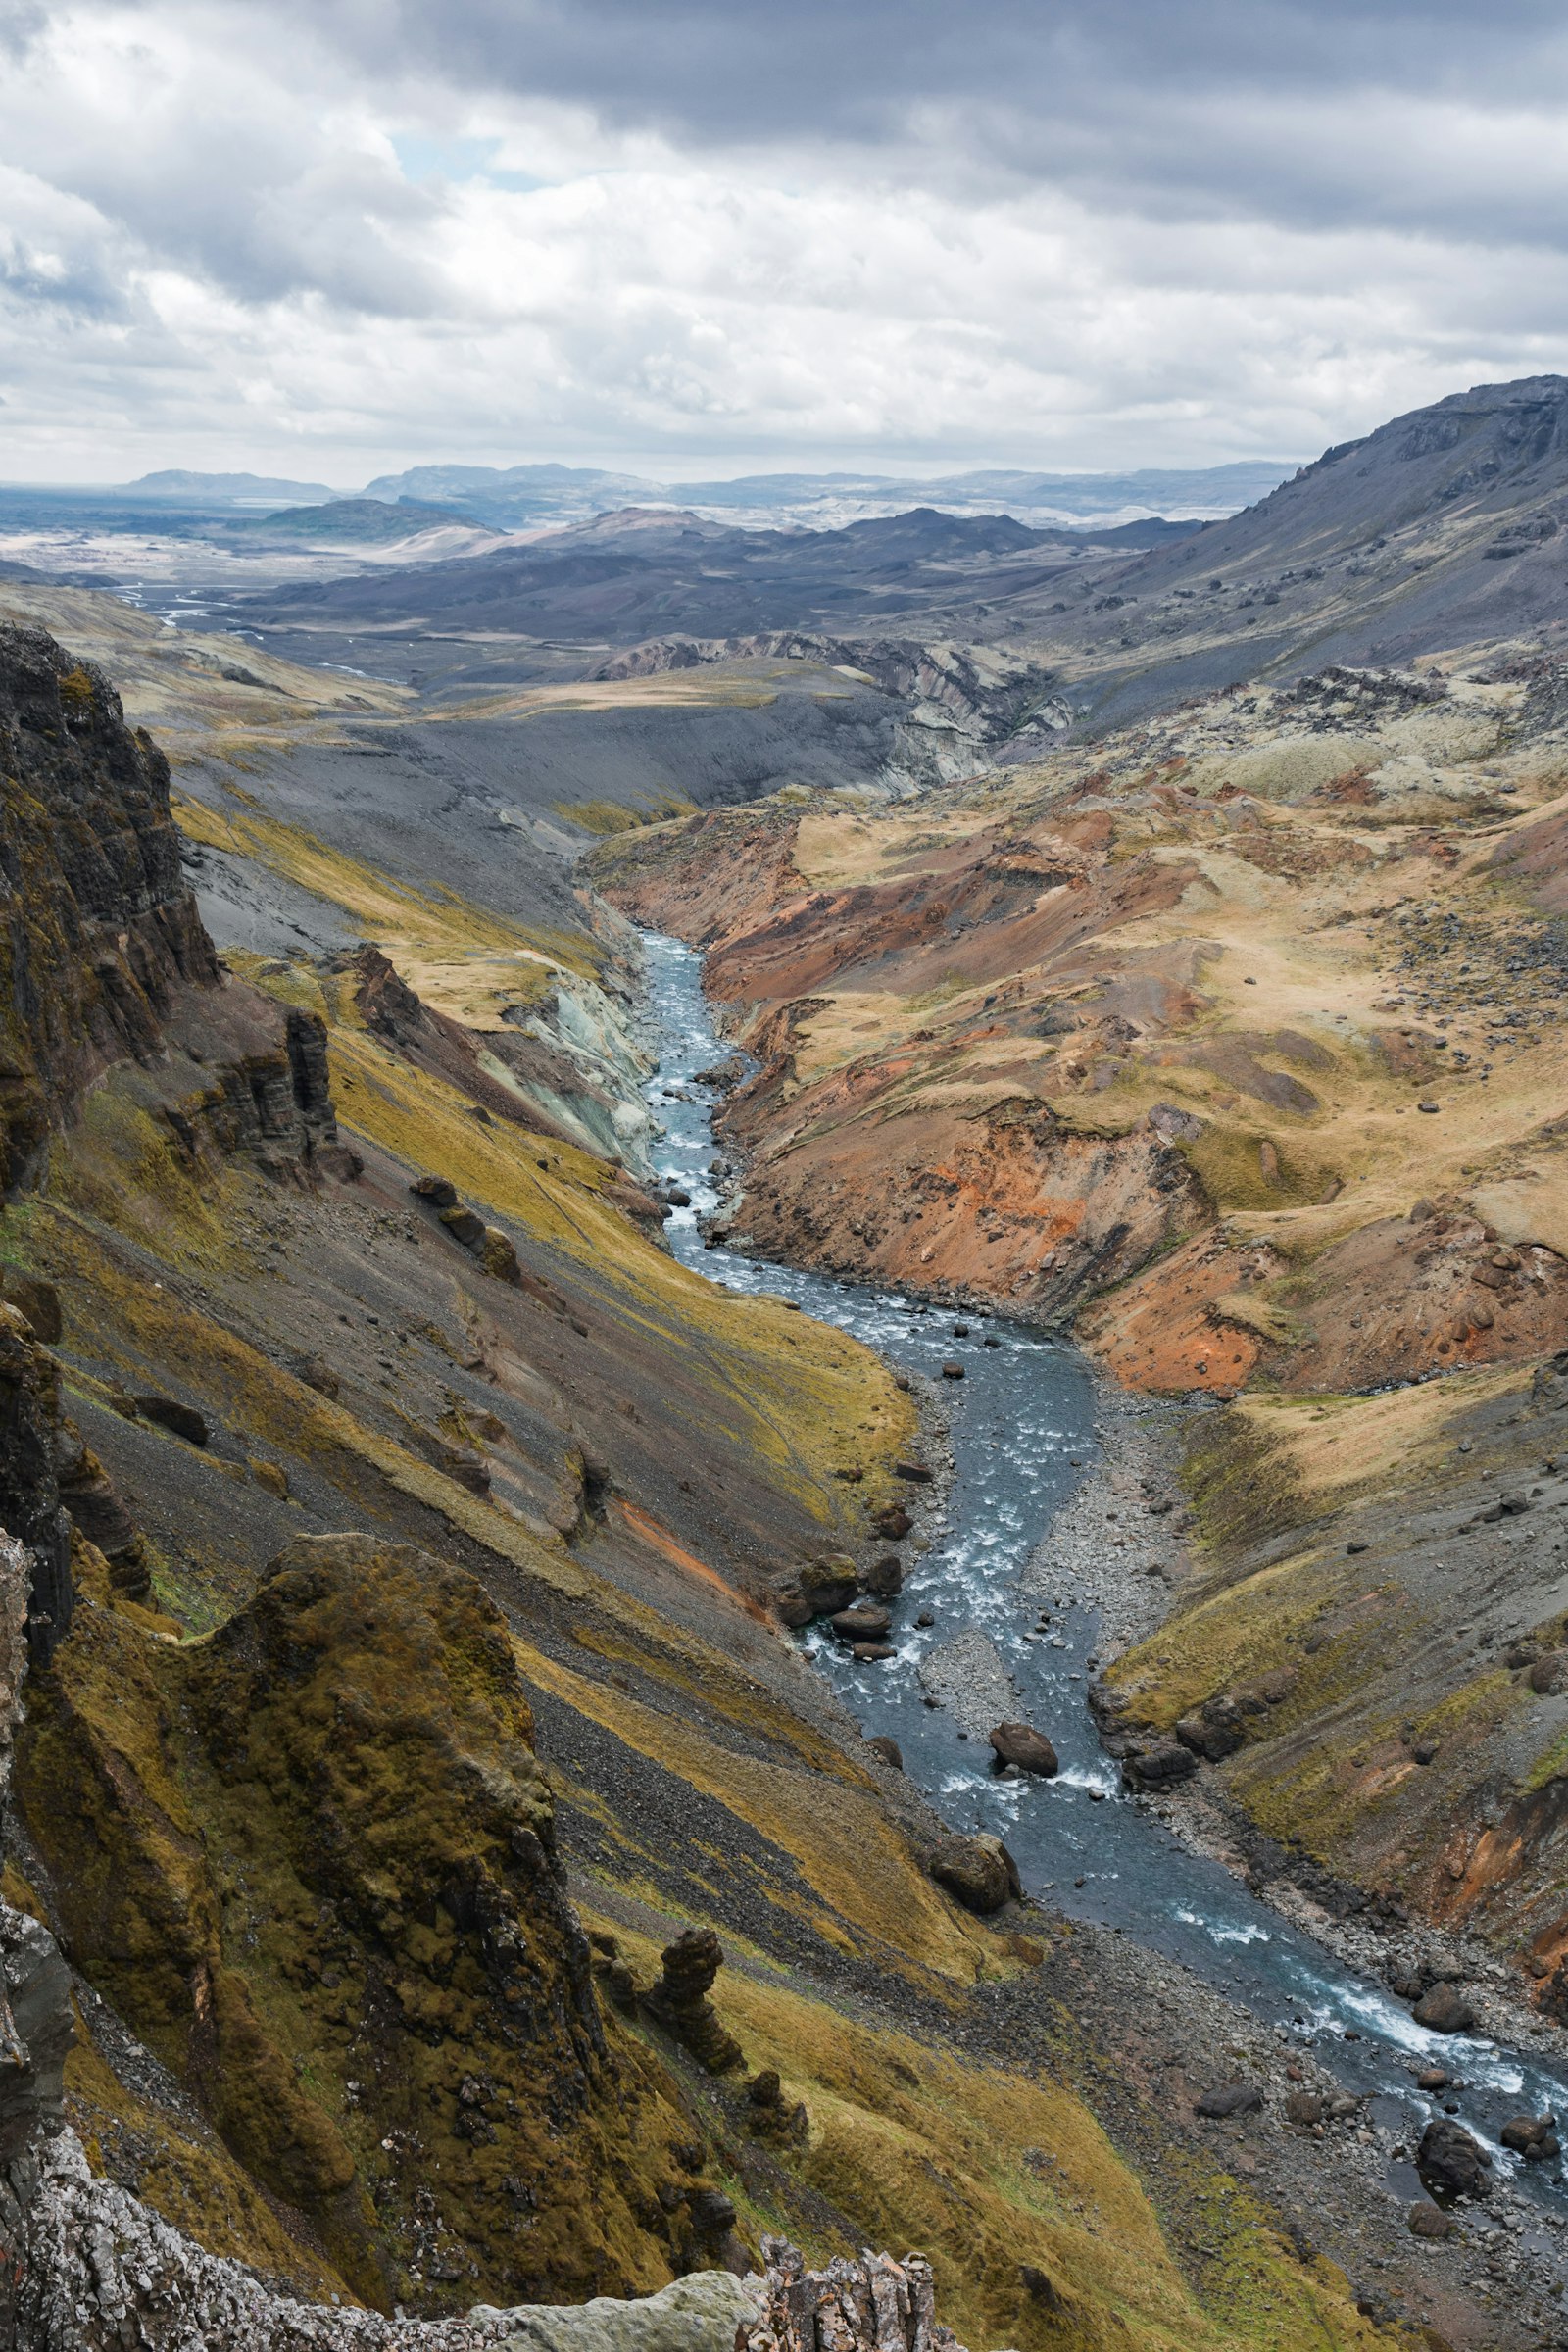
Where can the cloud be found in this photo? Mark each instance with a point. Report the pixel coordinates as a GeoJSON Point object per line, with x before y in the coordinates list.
{"type": "Point", "coordinates": [344, 236]}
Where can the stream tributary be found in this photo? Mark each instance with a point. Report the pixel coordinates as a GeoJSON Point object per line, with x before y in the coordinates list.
{"type": "Point", "coordinates": [1024, 1433]}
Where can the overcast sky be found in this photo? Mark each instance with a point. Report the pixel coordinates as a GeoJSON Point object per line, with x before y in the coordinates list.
{"type": "Point", "coordinates": [327, 238]}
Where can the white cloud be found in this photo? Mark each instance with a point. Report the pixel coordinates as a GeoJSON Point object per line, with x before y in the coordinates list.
{"type": "Point", "coordinates": [331, 243]}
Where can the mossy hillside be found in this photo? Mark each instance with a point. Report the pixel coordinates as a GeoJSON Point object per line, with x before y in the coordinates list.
{"type": "Point", "coordinates": [326, 1898]}
{"type": "Point", "coordinates": [460, 957]}
{"type": "Point", "coordinates": [839, 1864]}
{"type": "Point", "coordinates": [609, 817]}
{"type": "Point", "coordinates": [987, 2168]}
{"type": "Point", "coordinates": [799, 1398]}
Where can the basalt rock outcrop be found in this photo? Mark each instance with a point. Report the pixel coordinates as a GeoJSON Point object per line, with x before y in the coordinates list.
{"type": "Point", "coordinates": [325, 1897]}
{"type": "Point", "coordinates": [100, 928]}
{"type": "Point", "coordinates": [103, 955]}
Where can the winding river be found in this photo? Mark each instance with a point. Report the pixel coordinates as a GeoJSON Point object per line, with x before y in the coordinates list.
{"type": "Point", "coordinates": [1023, 1435]}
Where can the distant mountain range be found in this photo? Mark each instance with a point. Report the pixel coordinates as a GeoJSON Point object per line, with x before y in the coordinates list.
{"type": "Point", "coordinates": [520, 498]}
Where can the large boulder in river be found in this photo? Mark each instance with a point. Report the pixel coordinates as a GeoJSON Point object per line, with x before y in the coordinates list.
{"type": "Point", "coordinates": [1021, 1745]}
{"type": "Point", "coordinates": [883, 1578]}
{"type": "Point", "coordinates": [820, 1590]}
{"type": "Point", "coordinates": [867, 1621]}
{"type": "Point", "coordinates": [1449, 2161]}
{"type": "Point", "coordinates": [1444, 2010]}
{"type": "Point", "coordinates": [979, 1871]}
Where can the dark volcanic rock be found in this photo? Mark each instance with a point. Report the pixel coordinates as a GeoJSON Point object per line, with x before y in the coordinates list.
{"type": "Point", "coordinates": [866, 1622]}
{"type": "Point", "coordinates": [1161, 1767]}
{"type": "Point", "coordinates": [679, 2001]}
{"type": "Point", "coordinates": [1229, 2098]}
{"type": "Point", "coordinates": [979, 1871]}
{"type": "Point", "coordinates": [1449, 2161]}
{"type": "Point", "coordinates": [439, 1191]}
{"type": "Point", "coordinates": [181, 1420]}
{"type": "Point", "coordinates": [101, 926]}
{"type": "Point", "coordinates": [1429, 2221]}
{"type": "Point", "coordinates": [30, 1426]}
{"type": "Point", "coordinates": [1021, 1745]}
{"type": "Point", "coordinates": [888, 1749]}
{"type": "Point", "coordinates": [884, 1578]}
{"type": "Point", "coordinates": [893, 1524]}
{"type": "Point", "coordinates": [1444, 2010]}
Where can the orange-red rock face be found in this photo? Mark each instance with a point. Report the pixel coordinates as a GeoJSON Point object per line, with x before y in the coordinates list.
{"type": "Point", "coordinates": [1126, 1033]}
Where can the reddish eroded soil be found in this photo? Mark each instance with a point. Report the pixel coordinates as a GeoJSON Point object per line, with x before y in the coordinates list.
{"type": "Point", "coordinates": [1148, 1046]}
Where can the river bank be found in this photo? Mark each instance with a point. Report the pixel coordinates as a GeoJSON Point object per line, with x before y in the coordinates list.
{"type": "Point", "coordinates": [1061, 1543]}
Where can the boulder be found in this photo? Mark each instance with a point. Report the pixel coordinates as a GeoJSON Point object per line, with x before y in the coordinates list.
{"type": "Point", "coordinates": [884, 1577]}
{"type": "Point", "coordinates": [497, 1256]}
{"type": "Point", "coordinates": [35, 1299]}
{"type": "Point", "coordinates": [1229, 2098]}
{"type": "Point", "coordinates": [979, 1871]}
{"type": "Point", "coordinates": [893, 1523]}
{"type": "Point", "coordinates": [953, 1371]}
{"type": "Point", "coordinates": [1431, 2077]}
{"type": "Point", "coordinates": [1426, 2220]}
{"type": "Point", "coordinates": [464, 1226]}
{"type": "Point", "coordinates": [889, 1750]}
{"type": "Point", "coordinates": [1021, 1745]}
{"type": "Point", "coordinates": [1444, 2010]}
{"type": "Point", "coordinates": [867, 1621]}
{"type": "Point", "coordinates": [916, 1472]}
{"type": "Point", "coordinates": [180, 1420]}
{"type": "Point", "coordinates": [1449, 2161]}
{"type": "Point", "coordinates": [1161, 1766]}
{"type": "Point", "coordinates": [814, 1591]}
{"type": "Point", "coordinates": [439, 1191]}
{"type": "Point", "coordinates": [1527, 2133]}
{"type": "Point", "coordinates": [1305, 2107]}
{"type": "Point", "coordinates": [1549, 1674]}
{"type": "Point", "coordinates": [1214, 1729]}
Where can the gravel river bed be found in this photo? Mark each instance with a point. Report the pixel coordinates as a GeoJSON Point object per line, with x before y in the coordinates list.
{"type": "Point", "coordinates": [1038, 1546]}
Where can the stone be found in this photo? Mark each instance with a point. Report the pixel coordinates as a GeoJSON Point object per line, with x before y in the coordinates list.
{"type": "Point", "coordinates": [35, 1299]}
{"type": "Point", "coordinates": [893, 1523]}
{"type": "Point", "coordinates": [180, 1420]}
{"type": "Point", "coordinates": [1214, 1729]}
{"type": "Point", "coordinates": [1426, 2220]}
{"type": "Point", "coordinates": [1305, 2107]}
{"type": "Point", "coordinates": [884, 1577]}
{"type": "Point", "coordinates": [867, 1621]}
{"type": "Point", "coordinates": [814, 1591]}
{"type": "Point", "coordinates": [868, 2303]}
{"type": "Point", "coordinates": [1021, 1745]}
{"type": "Point", "coordinates": [952, 1372]}
{"type": "Point", "coordinates": [498, 1258]}
{"type": "Point", "coordinates": [314, 1374]}
{"type": "Point", "coordinates": [1449, 2161]}
{"type": "Point", "coordinates": [891, 1753]}
{"type": "Point", "coordinates": [1548, 1675]}
{"type": "Point", "coordinates": [269, 1477]}
{"type": "Point", "coordinates": [439, 1191]}
{"type": "Point", "coordinates": [1431, 2078]}
{"type": "Point", "coordinates": [464, 1226]}
{"type": "Point", "coordinates": [1161, 1766]}
{"type": "Point", "coordinates": [872, 1654]}
{"type": "Point", "coordinates": [1444, 2010]}
{"type": "Point", "coordinates": [1524, 2132]}
{"type": "Point", "coordinates": [1229, 2098]}
{"type": "Point", "coordinates": [917, 1473]}
{"type": "Point", "coordinates": [679, 2001]}
{"type": "Point", "coordinates": [978, 1871]}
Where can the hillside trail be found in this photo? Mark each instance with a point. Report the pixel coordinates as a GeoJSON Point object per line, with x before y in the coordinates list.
{"type": "Point", "coordinates": [1025, 1438]}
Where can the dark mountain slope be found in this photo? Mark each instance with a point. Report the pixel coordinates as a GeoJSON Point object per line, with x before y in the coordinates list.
{"type": "Point", "coordinates": [1447, 526]}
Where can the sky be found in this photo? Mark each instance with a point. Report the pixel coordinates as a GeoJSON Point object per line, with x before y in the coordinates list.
{"type": "Point", "coordinates": [331, 238]}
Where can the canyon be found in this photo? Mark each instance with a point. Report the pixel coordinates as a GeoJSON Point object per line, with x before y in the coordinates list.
{"type": "Point", "coordinates": [463, 1882]}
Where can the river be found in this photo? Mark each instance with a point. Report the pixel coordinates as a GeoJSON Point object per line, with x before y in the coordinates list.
{"type": "Point", "coordinates": [1023, 1432]}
